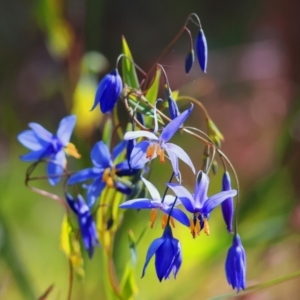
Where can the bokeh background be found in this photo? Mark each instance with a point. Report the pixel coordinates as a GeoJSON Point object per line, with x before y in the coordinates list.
{"type": "Point", "coordinates": [52, 54]}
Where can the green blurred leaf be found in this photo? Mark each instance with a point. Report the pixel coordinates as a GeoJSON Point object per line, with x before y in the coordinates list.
{"type": "Point", "coordinates": [128, 284]}
{"type": "Point", "coordinates": [128, 68]}
{"type": "Point", "coordinates": [152, 92]}
{"type": "Point", "coordinates": [107, 132]}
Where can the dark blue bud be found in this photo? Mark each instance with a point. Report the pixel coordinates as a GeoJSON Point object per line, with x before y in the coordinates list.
{"type": "Point", "coordinates": [201, 50]}
{"type": "Point", "coordinates": [173, 108]}
{"type": "Point", "coordinates": [108, 91]}
{"type": "Point", "coordinates": [140, 118]}
{"type": "Point", "coordinates": [227, 205]}
{"type": "Point", "coordinates": [189, 61]}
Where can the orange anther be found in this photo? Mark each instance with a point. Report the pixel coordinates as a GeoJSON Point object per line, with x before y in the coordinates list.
{"type": "Point", "coordinates": [162, 156]}
{"type": "Point", "coordinates": [172, 222]}
{"type": "Point", "coordinates": [164, 220]}
{"type": "Point", "coordinates": [153, 216]}
{"type": "Point", "coordinates": [206, 227]}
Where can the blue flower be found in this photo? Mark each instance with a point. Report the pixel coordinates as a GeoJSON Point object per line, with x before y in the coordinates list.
{"type": "Point", "coordinates": [108, 91]}
{"type": "Point", "coordinates": [189, 61]}
{"type": "Point", "coordinates": [104, 173]}
{"type": "Point", "coordinates": [156, 146]}
{"type": "Point", "coordinates": [235, 265]}
{"type": "Point", "coordinates": [45, 145]}
{"type": "Point", "coordinates": [155, 204]}
{"type": "Point", "coordinates": [86, 223]}
{"type": "Point", "coordinates": [201, 50]}
{"type": "Point", "coordinates": [168, 255]}
{"type": "Point", "coordinates": [199, 204]}
{"type": "Point", "coordinates": [227, 205]}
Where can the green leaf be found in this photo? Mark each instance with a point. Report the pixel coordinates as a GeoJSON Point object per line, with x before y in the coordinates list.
{"type": "Point", "coordinates": [107, 132]}
{"type": "Point", "coordinates": [128, 284]}
{"type": "Point", "coordinates": [152, 92]}
{"type": "Point", "coordinates": [128, 68]}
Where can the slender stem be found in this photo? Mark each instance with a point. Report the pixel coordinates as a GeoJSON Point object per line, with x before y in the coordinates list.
{"type": "Point", "coordinates": [121, 56]}
{"type": "Point", "coordinates": [169, 215]}
{"type": "Point", "coordinates": [166, 190]}
{"type": "Point", "coordinates": [70, 280]}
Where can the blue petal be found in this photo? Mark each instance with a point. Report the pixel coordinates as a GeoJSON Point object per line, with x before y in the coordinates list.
{"type": "Point", "coordinates": [94, 191]}
{"type": "Point", "coordinates": [163, 258]}
{"type": "Point", "coordinates": [138, 155]}
{"type": "Point", "coordinates": [118, 149]}
{"type": "Point", "coordinates": [151, 251]}
{"type": "Point", "coordinates": [123, 169]}
{"type": "Point", "coordinates": [227, 205]}
{"type": "Point", "coordinates": [142, 203]}
{"type": "Point", "coordinates": [174, 125]}
{"type": "Point", "coordinates": [216, 200]}
{"type": "Point", "coordinates": [178, 215]}
{"type": "Point", "coordinates": [29, 139]}
{"type": "Point", "coordinates": [41, 132]}
{"type": "Point", "coordinates": [180, 153]}
{"type": "Point", "coordinates": [72, 203]}
{"type": "Point", "coordinates": [65, 129]}
{"type": "Point", "coordinates": [184, 195]}
{"type": "Point", "coordinates": [201, 188]}
{"type": "Point", "coordinates": [36, 155]}
{"type": "Point", "coordinates": [86, 174]}
{"type": "Point", "coordinates": [173, 108]}
{"type": "Point", "coordinates": [176, 263]}
{"type": "Point", "coordinates": [201, 50]}
{"type": "Point", "coordinates": [100, 155]}
{"type": "Point", "coordinates": [123, 188]}
{"type": "Point", "coordinates": [55, 167]}
{"type": "Point", "coordinates": [154, 193]}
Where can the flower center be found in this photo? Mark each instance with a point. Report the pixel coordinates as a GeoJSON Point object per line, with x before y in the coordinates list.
{"type": "Point", "coordinates": [108, 176]}
{"type": "Point", "coordinates": [155, 149]}
{"type": "Point", "coordinates": [71, 150]}
{"type": "Point", "coordinates": [197, 223]}
{"type": "Point", "coordinates": [164, 219]}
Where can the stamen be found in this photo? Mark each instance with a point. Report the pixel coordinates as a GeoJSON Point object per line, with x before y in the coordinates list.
{"type": "Point", "coordinates": [172, 222]}
{"type": "Point", "coordinates": [164, 220]}
{"type": "Point", "coordinates": [150, 151]}
{"type": "Point", "coordinates": [192, 227]}
{"type": "Point", "coordinates": [71, 150]}
{"type": "Point", "coordinates": [162, 156]}
{"type": "Point", "coordinates": [206, 227]}
{"type": "Point", "coordinates": [108, 176]}
{"type": "Point", "coordinates": [153, 216]}
{"type": "Point", "coordinates": [158, 150]}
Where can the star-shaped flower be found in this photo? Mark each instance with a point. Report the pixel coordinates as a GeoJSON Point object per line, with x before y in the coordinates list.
{"type": "Point", "coordinates": [105, 172]}
{"type": "Point", "coordinates": [156, 146]}
{"type": "Point", "coordinates": [45, 145]}
{"type": "Point", "coordinates": [156, 203]}
{"type": "Point", "coordinates": [199, 204]}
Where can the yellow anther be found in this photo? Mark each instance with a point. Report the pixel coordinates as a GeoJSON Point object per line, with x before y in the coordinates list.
{"type": "Point", "coordinates": [164, 221]}
{"type": "Point", "coordinates": [162, 156]}
{"type": "Point", "coordinates": [158, 149]}
{"type": "Point", "coordinates": [195, 227]}
{"type": "Point", "coordinates": [108, 176]}
{"type": "Point", "coordinates": [71, 150]}
{"type": "Point", "coordinates": [150, 151]}
{"type": "Point", "coordinates": [172, 222]}
{"type": "Point", "coordinates": [206, 227]}
{"type": "Point", "coordinates": [153, 216]}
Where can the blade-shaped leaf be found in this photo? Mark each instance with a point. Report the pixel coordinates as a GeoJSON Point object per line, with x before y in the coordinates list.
{"type": "Point", "coordinates": [152, 92]}
{"type": "Point", "coordinates": [128, 68]}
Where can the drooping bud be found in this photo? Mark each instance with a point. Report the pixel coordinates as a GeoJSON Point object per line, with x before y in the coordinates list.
{"type": "Point", "coordinates": [173, 108]}
{"type": "Point", "coordinates": [129, 148]}
{"type": "Point", "coordinates": [108, 91]}
{"type": "Point", "coordinates": [227, 205]}
{"type": "Point", "coordinates": [201, 50]}
{"type": "Point", "coordinates": [189, 61]}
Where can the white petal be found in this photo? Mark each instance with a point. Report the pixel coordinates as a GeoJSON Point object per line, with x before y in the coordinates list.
{"type": "Point", "coordinates": [152, 190]}
{"type": "Point", "coordinates": [130, 135]}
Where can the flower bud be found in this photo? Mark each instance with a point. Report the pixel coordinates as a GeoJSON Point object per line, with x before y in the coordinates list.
{"type": "Point", "coordinates": [108, 91]}
{"type": "Point", "coordinates": [227, 205]}
{"type": "Point", "coordinates": [189, 61]}
{"type": "Point", "coordinates": [201, 50]}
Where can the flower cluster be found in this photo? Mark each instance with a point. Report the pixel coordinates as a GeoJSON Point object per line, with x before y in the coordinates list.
{"type": "Point", "coordinates": [119, 173]}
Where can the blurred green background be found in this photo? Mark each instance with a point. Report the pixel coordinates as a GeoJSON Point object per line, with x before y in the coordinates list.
{"type": "Point", "coordinates": [52, 54]}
